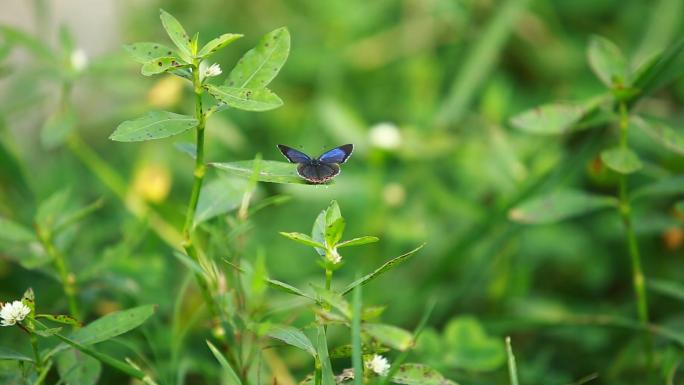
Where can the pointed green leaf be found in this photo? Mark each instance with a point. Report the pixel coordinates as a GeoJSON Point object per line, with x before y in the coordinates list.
{"type": "Point", "coordinates": [302, 238]}
{"type": "Point", "coordinates": [328, 377]}
{"type": "Point", "coordinates": [50, 210]}
{"type": "Point", "coordinates": [260, 65]}
{"type": "Point", "coordinates": [469, 347]}
{"type": "Point", "coordinates": [549, 119]}
{"type": "Point", "coordinates": [14, 232]}
{"type": "Point", "coordinates": [219, 197]}
{"type": "Point", "coordinates": [661, 70]}
{"type": "Point", "coordinates": [217, 44]}
{"type": "Point", "coordinates": [146, 52]}
{"type": "Point", "coordinates": [392, 336]}
{"type": "Point", "coordinates": [154, 125]}
{"type": "Point", "coordinates": [621, 159]}
{"type": "Point", "coordinates": [246, 99]}
{"type": "Point", "coordinates": [419, 374]}
{"type": "Point", "coordinates": [60, 318]}
{"type": "Point", "coordinates": [232, 376]}
{"type": "Point", "coordinates": [9, 354]}
{"type": "Point", "coordinates": [187, 148]}
{"type": "Point", "coordinates": [662, 187]}
{"type": "Point", "coordinates": [177, 34]}
{"type": "Point", "coordinates": [559, 205]}
{"type": "Point", "coordinates": [358, 241]}
{"type": "Point", "coordinates": [112, 325]}
{"type": "Point", "coordinates": [380, 270]}
{"type": "Point", "coordinates": [76, 368]}
{"type": "Point", "coordinates": [292, 336]}
{"type": "Point", "coordinates": [161, 65]}
{"type": "Point", "coordinates": [661, 133]}
{"type": "Point", "coordinates": [287, 288]}
{"type": "Point", "coordinates": [607, 61]}
{"type": "Point", "coordinates": [672, 289]}
{"type": "Point", "coordinates": [269, 171]}
{"type": "Point", "coordinates": [333, 232]}
{"type": "Point", "coordinates": [47, 332]}
{"type": "Point", "coordinates": [29, 299]}
{"type": "Point", "coordinates": [334, 299]}
{"type": "Point", "coordinates": [325, 219]}
{"type": "Point", "coordinates": [512, 368]}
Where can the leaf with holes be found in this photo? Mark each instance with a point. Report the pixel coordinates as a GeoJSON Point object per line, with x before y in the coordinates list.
{"type": "Point", "coordinates": [60, 318]}
{"type": "Point", "coordinates": [145, 52]}
{"type": "Point", "coordinates": [257, 68]}
{"type": "Point", "coordinates": [217, 44]}
{"type": "Point", "coordinates": [154, 125]}
{"type": "Point", "coordinates": [246, 99]}
{"type": "Point", "coordinates": [621, 159]}
{"type": "Point", "coordinates": [558, 206]}
{"type": "Point", "coordinates": [161, 65]}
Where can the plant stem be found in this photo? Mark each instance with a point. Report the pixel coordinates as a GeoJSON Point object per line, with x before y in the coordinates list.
{"type": "Point", "coordinates": [328, 278]}
{"type": "Point", "coordinates": [68, 279]}
{"type": "Point", "coordinates": [36, 352]}
{"type": "Point", "coordinates": [625, 208]}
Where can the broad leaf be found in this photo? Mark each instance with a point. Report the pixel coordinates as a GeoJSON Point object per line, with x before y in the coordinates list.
{"type": "Point", "coordinates": [358, 241]}
{"type": "Point", "coordinates": [9, 354]}
{"type": "Point", "coordinates": [112, 325]}
{"type": "Point", "coordinates": [385, 267]}
{"type": "Point", "coordinates": [661, 133]}
{"type": "Point", "coordinates": [621, 159]}
{"type": "Point", "coordinates": [219, 197]}
{"type": "Point", "coordinates": [559, 205]}
{"type": "Point", "coordinates": [328, 377]}
{"type": "Point", "coordinates": [302, 238]}
{"type": "Point", "coordinates": [419, 374]}
{"type": "Point", "coordinates": [247, 99]}
{"type": "Point", "coordinates": [228, 369]}
{"type": "Point", "coordinates": [549, 119]}
{"type": "Point", "coordinates": [161, 65]}
{"type": "Point", "coordinates": [146, 52]}
{"type": "Point", "coordinates": [333, 232]}
{"type": "Point", "coordinates": [607, 61]}
{"type": "Point", "coordinates": [390, 335]}
{"type": "Point", "coordinates": [269, 171]}
{"type": "Point", "coordinates": [154, 125]}
{"type": "Point", "coordinates": [470, 348]}
{"type": "Point", "coordinates": [77, 368]}
{"type": "Point", "coordinates": [218, 43]}
{"type": "Point", "coordinates": [14, 232]}
{"type": "Point", "coordinates": [292, 336]}
{"type": "Point", "coordinates": [261, 64]}
{"type": "Point", "coordinates": [177, 34]}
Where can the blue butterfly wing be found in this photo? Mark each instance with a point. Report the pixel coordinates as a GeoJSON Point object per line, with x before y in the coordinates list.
{"type": "Point", "coordinates": [318, 173]}
{"type": "Point", "coordinates": [337, 155]}
{"type": "Point", "coordinates": [293, 155]}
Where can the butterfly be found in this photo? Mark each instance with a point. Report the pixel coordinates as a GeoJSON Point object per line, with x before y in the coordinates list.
{"type": "Point", "coordinates": [321, 169]}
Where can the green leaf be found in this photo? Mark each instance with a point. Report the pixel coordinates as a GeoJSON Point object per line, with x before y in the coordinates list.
{"type": "Point", "coordinates": [60, 318]}
{"type": "Point", "coordinates": [328, 377]}
{"type": "Point", "coordinates": [333, 299]}
{"type": "Point", "coordinates": [661, 133]}
{"type": "Point", "coordinates": [177, 34]}
{"type": "Point", "coordinates": [14, 232]}
{"type": "Point", "coordinates": [29, 299]}
{"type": "Point", "coordinates": [621, 159]}
{"type": "Point", "coordinates": [470, 348]}
{"type": "Point", "coordinates": [216, 44]}
{"type": "Point", "coordinates": [233, 378]}
{"type": "Point", "coordinates": [161, 65]}
{"type": "Point", "coordinates": [392, 336]}
{"type": "Point", "coordinates": [47, 332]}
{"type": "Point", "coordinates": [302, 238]}
{"type": "Point", "coordinates": [607, 61]}
{"type": "Point", "coordinates": [419, 374]}
{"type": "Point", "coordinates": [112, 325]}
{"type": "Point", "coordinates": [512, 368]}
{"type": "Point", "coordinates": [292, 336]}
{"type": "Point", "coordinates": [76, 368]}
{"type": "Point", "coordinates": [287, 288]}
{"type": "Point", "coordinates": [333, 232]}
{"type": "Point", "coordinates": [187, 148]}
{"type": "Point", "coordinates": [58, 127]}
{"type": "Point", "coordinates": [559, 205]}
{"type": "Point", "coordinates": [219, 197]}
{"type": "Point", "coordinates": [146, 52]}
{"type": "Point", "coordinates": [323, 221]}
{"type": "Point", "coordinates": [358, 241]}
{"type": "Point", "coordinates": [257, 68]}
{"type": "Point", "coordinates": [672, 289]}
{"type": "Point", "coordinates": [154, 125]}
{"type": "Point", "coordinates": [385, 267]}
{"type": "Point", "coordinates": [269, 171]}
{"type": "Point", "coordinates": [50, 209]}
{"type": "Point", "coordinates": [9, 354]}
{"type": "Point", "coordinates": [662, 187]}
{"type": "Point", "coordinates": [663, 69]}
{"type": "Point", "coordinates": [549, 119]}
{"type": "Point", "coordinates": [345, 351]}
{"type": "Point", "coordinates": [247, 99]}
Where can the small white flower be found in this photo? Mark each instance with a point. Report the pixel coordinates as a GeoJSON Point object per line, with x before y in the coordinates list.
{"type": "Point", "coordinates": [213, 70]}
{"type": "Point", "coordinates": [385, 135]}
{"type": "Point", "coordinates": [13, 312]}
{"type": "Point", "coordinates": [378, 364]}
{"type": "Point", "coordinates": [79, 60]}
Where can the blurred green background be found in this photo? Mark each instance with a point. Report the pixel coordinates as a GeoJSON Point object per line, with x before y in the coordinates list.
{"type": "Point", "coordinates": [425, 90]}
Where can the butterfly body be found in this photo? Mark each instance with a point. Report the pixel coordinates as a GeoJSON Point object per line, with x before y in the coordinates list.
{"type": "Point", "coordinates": [321, 169]}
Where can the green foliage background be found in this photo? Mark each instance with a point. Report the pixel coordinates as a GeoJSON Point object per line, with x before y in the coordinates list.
{"type": "Point", "coordinates": [449, 74]}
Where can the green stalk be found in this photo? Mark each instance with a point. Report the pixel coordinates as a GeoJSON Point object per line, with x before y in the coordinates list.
{"type": "Point", "coordinates": [36, 352]}
{"type": "Point", "coordinates": [67, 279]}
{"type": "Point", "coordinates": [625, 209]}
{"type": "Point", "coordinates": [512, 368]}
